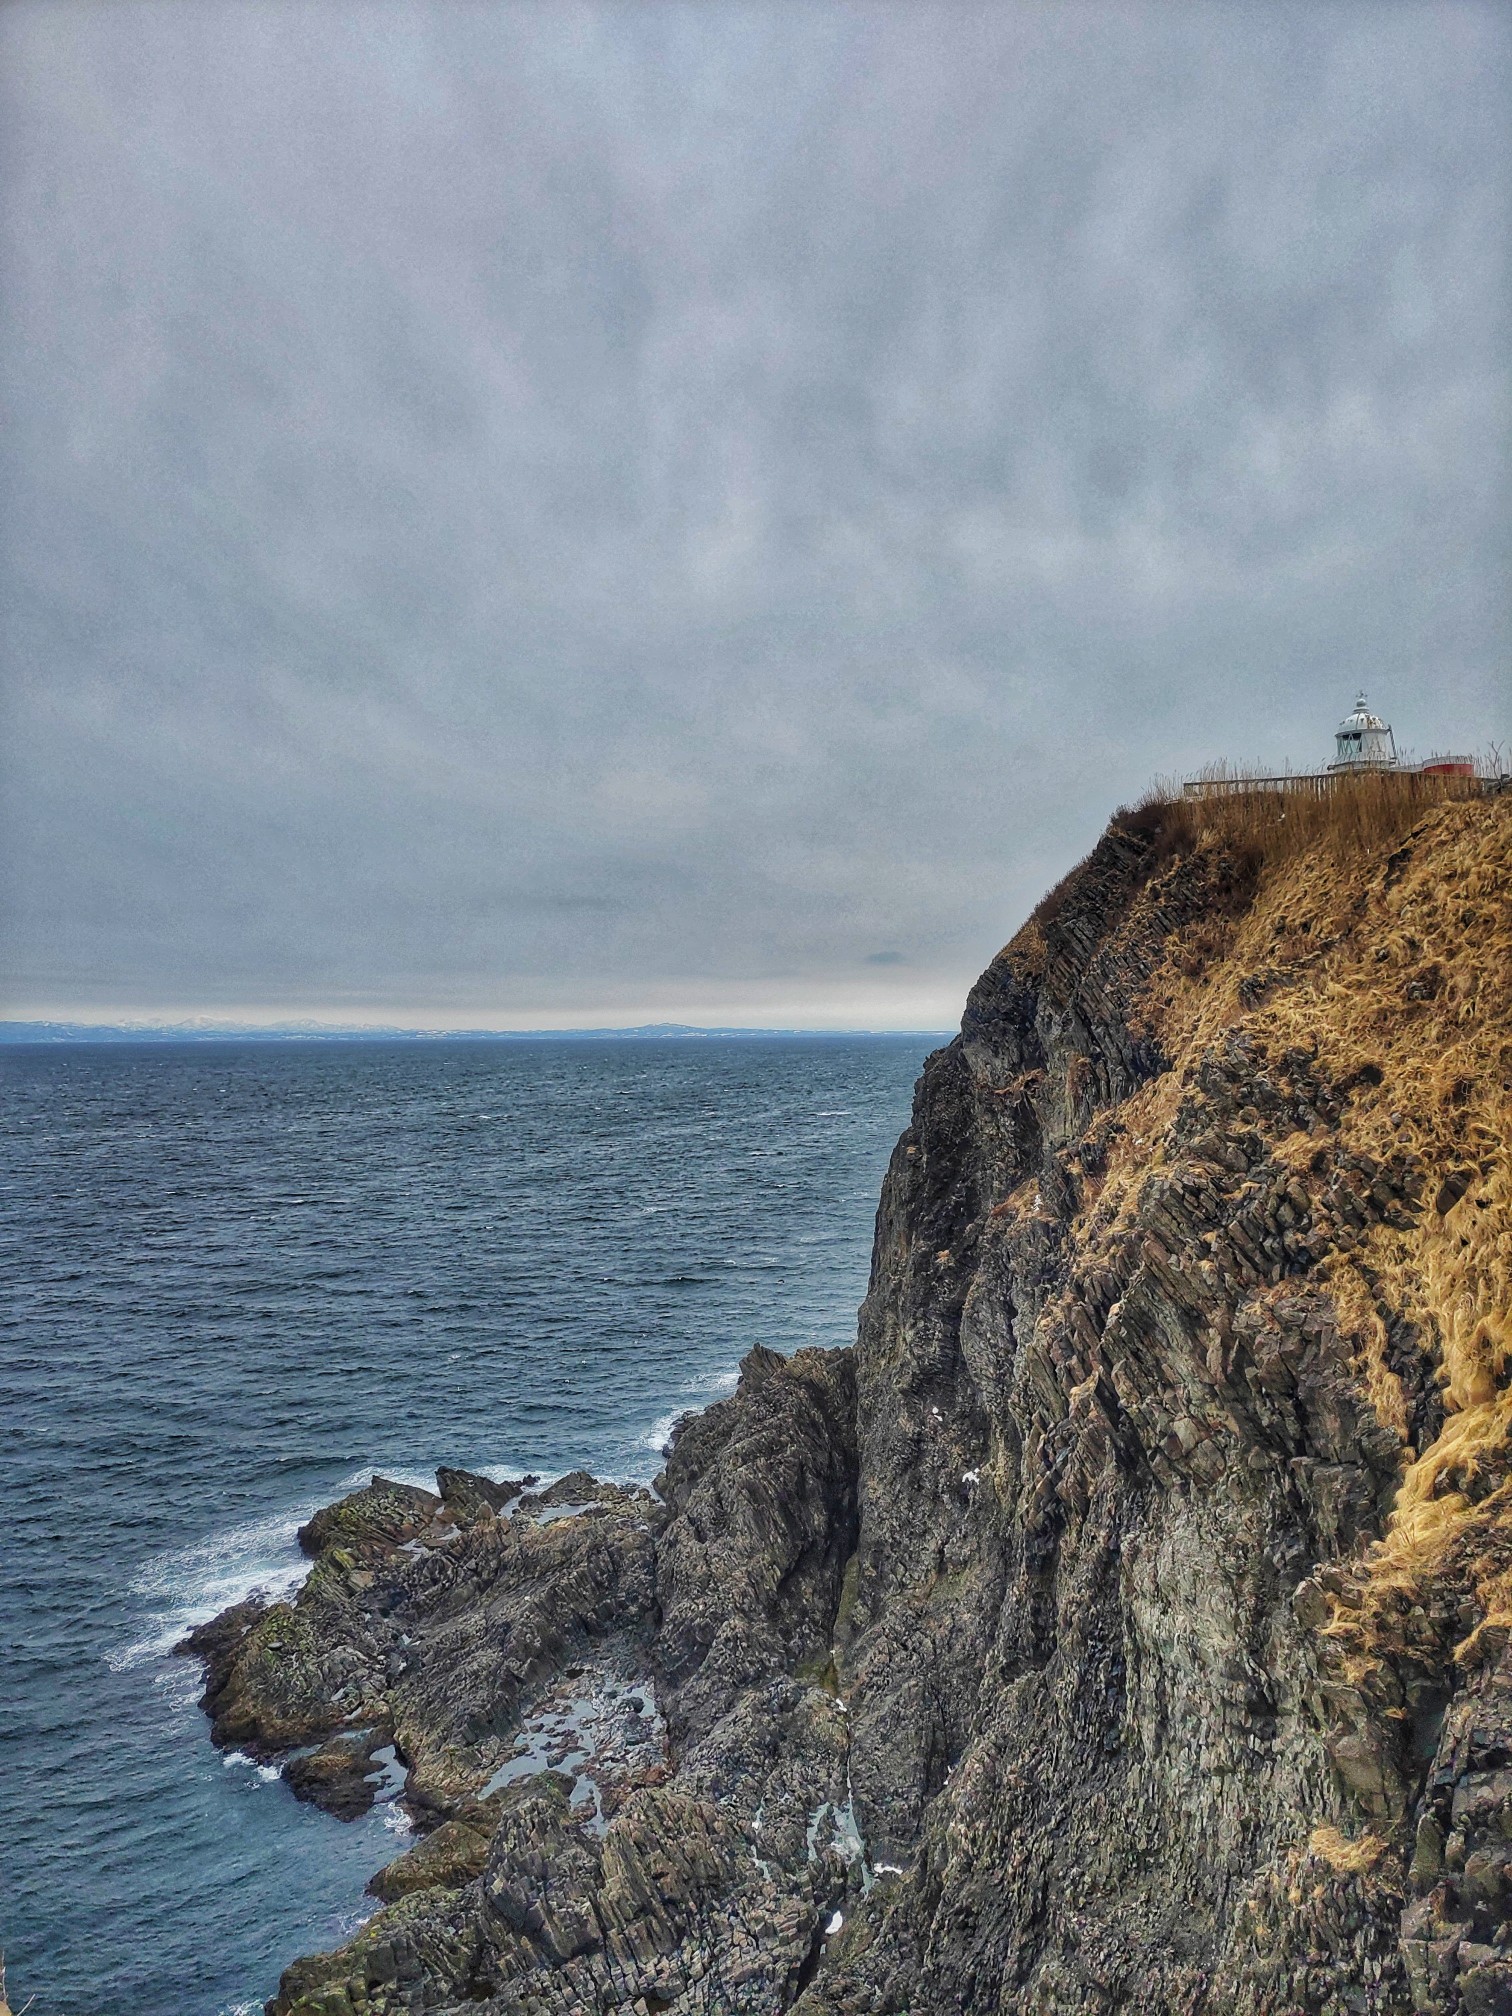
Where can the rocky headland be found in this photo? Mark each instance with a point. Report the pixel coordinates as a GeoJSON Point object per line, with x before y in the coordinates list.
{"type": "Point", "coordinates": [1124, 1621]}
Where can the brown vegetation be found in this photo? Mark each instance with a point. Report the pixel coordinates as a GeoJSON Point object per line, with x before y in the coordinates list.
{"type": "Point", "coordinates": [1345, 814]}
{"type": "Point", "coordinates": [1377, 941]}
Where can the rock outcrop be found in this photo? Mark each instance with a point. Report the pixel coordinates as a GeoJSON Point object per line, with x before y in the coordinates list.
{"type": "Point", "coordinates": [1125, 1620]}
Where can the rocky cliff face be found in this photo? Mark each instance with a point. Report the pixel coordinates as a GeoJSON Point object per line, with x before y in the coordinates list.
{"type": "Point", "coordinates": [1125, 1620]}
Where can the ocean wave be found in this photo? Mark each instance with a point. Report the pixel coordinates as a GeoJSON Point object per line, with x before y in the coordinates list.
{"type": "Point", "coordinates": [259, 1557]}
{"type": "Point", "coordinates": [702, 1392]}
{"type": "Point", "coordinates": [236, 1760]}
{"type": "Point", "coordinates": [659, 1434]}
{"type": "Point", "coordinates": [190, 1585]}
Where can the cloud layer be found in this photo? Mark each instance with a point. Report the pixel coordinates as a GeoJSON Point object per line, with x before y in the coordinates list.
{"type": "Point", "coordinates": [547, 511]}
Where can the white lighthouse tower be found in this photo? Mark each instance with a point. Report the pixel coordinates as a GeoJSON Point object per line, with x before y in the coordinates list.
{"type": "Point", "coordinates": [1363, 741]}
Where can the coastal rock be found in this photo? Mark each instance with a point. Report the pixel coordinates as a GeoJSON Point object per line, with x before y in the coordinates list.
{"type": "Point", "coordinates": [448, 1859]}
{"type": "Point", "coordinates": [1125, 1620]}
{"type": "Point", "coordinates": [761, 1493]}
{"type": "Point", "coordinates": [466, 1496]}
{"type": "Point", "coordinates": [341, 1776]}
{"type": "Point", "coordinates": [435, 1632]}
{"type": "Point", "coordinates": [369, 1524]}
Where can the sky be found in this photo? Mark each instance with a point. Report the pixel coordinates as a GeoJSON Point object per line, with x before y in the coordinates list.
{"type": "Point", "coordinates": [540, 514]}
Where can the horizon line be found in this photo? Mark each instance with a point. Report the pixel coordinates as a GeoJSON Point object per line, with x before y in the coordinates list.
{"type": "Point", "coordinates": [59, 1032]}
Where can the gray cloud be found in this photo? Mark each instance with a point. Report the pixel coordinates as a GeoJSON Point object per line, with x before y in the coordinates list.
{"type": "Point", "coordinates": [548, 510]}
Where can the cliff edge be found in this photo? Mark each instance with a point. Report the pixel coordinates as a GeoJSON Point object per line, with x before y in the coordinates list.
{"type": "Point", "coordinates": [1124, 1620]}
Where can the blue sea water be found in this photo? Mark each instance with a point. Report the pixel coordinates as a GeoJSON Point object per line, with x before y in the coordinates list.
{"type": "Point", "coordinates": [239, 1277]}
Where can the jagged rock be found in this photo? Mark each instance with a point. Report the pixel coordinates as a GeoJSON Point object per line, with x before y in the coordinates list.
{"type": "Point", "coordinates": [467, 1496]}
{"type": "Point", "coordinates": [1123, 1622]}
{"type": "Point", "coordinates": [368, 1524]}
{"type": "Point", "coordinates": [761, 1490]}
{"type": "Point", "coordinates": [447, 1859]}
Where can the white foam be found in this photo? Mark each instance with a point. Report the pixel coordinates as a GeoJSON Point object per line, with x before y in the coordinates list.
{"type": "Point", "coordinates": [702, 1392]}
{"type": "Point", "coordinates": [238, 1760]}
{"type": "Point", "coordinates": [417, 1480]}
{"type": "Point", "coordinates": [190, 1585]}
{"type": "Point", "coordinates": [346, 1925]}
{"type": "Point", "coordinates": [659, 1434]}
{"type": "Point", "coordinates": [511, 1473]}
{"type": "Point", "coordinates": [186, 1586]}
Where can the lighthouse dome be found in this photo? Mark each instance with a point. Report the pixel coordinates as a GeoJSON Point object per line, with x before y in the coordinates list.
{"type": "Point", "coordinates": [1363, 741]}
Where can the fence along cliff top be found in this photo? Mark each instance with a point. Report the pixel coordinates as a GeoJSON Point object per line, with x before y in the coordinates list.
{"type": "Point", "coordinates": [1363, 746]}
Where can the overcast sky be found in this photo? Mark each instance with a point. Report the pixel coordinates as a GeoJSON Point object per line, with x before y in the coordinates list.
{"type": "Point", "coordinates": [547, 513]}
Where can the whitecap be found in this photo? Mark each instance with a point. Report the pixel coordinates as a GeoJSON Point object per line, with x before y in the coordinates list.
{"type": "Point", "coordinates": [260, 1557]}
{"type": "Point", "coordinates": [659, 1434]}
{"type": "Point", "coordinates": [705, 1386]}
{"type": "Point", "coordinates": [190, 1585]}
{"type": "Point", "coordinates": [358, 1480]}
{"type": "Point", "coordinates": [238, 1760]}
{"type": "Point", "coordinates": [702, 1391]}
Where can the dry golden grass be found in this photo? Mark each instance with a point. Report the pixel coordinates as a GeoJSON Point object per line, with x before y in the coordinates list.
{"type": "Point", "coordinates": [1354, 819]}
{"type": "Point", "coordinates": [1348, 815]}
{"type": "Point", "coordinates": [1360, 1318]}
{"type": "Point", "coordinates": [1349, 1858]}
{"type": "Point", "coordinates": [1381, 929]}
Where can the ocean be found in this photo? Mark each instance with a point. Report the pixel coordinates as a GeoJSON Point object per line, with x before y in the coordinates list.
{"type": "Point", "coordinates": [238, 1278]}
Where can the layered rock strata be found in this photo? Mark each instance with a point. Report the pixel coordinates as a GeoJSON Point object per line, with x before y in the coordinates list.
{"type": "Point", "coordinates": [1126, 1619]}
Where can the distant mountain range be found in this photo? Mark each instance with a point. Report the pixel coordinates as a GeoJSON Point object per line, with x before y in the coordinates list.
{"type": "Point", "coordinates": [305, 1032]}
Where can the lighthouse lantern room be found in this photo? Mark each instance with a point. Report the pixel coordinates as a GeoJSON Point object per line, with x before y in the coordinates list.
{"type": "Point", "coordinates": [1363, 741]}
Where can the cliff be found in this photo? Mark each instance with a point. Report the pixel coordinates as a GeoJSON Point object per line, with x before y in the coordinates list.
{"type": "Point", "coordinates": [1124, 1620]}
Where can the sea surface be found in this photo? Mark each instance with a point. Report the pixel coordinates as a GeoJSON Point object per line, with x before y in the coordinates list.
{"type": "Point", "coordinates": [239, 1277]}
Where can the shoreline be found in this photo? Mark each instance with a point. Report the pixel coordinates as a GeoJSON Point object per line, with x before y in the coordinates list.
{"type": "Point", "coordinates": [370, 1665]}
{"type": "Point", "coordinates": [1139, 1571]}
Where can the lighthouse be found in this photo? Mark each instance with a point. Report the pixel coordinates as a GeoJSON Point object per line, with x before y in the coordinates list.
{"type": "Point", "coordinates": [1363, 741]}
